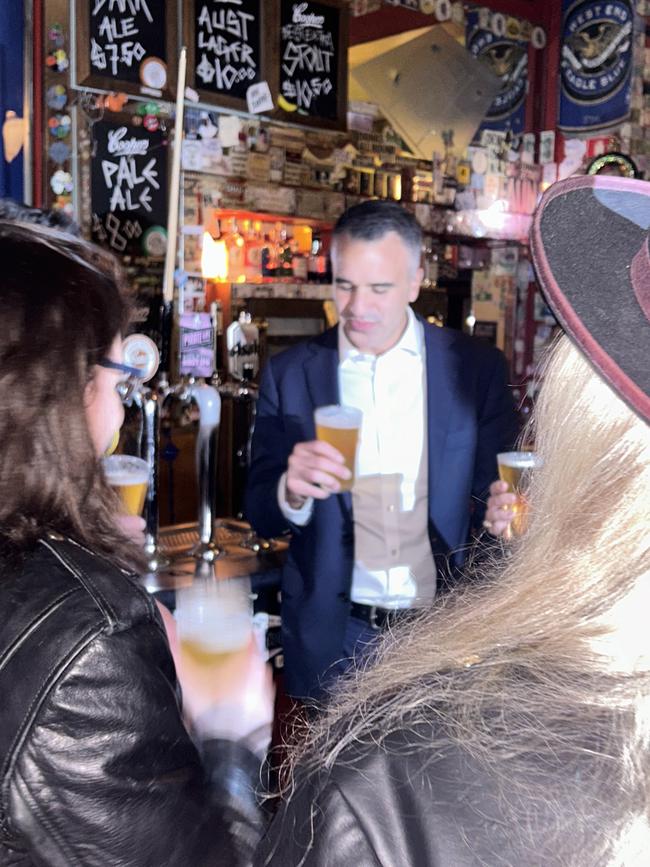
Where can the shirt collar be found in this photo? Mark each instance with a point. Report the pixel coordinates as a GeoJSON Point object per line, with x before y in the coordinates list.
{"type": "Point", "coordinates": [410, 341]}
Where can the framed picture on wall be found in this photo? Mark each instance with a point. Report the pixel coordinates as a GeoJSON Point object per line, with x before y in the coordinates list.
{"type": "Point", "coordinates": [229, 48]}
{"type": "Point", "coordinates": [312, 63]}
{"type": "Point", "coordinates": [129, 47]}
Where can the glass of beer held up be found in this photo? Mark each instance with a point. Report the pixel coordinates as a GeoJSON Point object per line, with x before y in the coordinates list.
{"type": "Point", "coordinates": [130, 477]}
{"type": "Point", "coordinates": [214, 621]}
{"type": "Point", "coordinates": [515, 469]}
{"type": "Point", "coordinates": [339, 426]}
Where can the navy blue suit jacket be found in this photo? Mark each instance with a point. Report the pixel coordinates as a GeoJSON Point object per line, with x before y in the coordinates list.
{"type": "Point", "coordinates": [470, 419]}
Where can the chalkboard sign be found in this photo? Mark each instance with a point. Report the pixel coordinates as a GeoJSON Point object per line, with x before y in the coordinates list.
{"type": "Point", "coordinates": [228, 48]}
{"type": "Point", "coordinates": [313, 45]}
{"type": "Point", "coordinates": [127, 45]}
{"type": "Point", "coordinates": [129, 189]}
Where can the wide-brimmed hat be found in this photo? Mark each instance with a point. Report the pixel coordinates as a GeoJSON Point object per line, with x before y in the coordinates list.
{"type": "Point", "coordinates": [590, 248]}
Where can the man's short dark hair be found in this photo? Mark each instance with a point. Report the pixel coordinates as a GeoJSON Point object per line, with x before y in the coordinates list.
{"type": "Point", "coordinates": [371, 220]}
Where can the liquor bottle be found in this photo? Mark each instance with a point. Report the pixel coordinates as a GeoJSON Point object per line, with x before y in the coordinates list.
{"type": "Point", "coordinates": [301, 245]}
{"type": "Point", "coordinates": [299, 266]}
{"type": "Point", "coordinates": [253, 246]}
{"type": "Point", "coordinates": [269, 258]}
{"type": "Point", "coordinates": [317, 266]}
{"type": "Point", "coordinates": [286, 255]}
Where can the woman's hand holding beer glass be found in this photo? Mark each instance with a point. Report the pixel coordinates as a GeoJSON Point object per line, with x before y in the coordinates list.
{"type": "Point", "coordinates": [325, 466]}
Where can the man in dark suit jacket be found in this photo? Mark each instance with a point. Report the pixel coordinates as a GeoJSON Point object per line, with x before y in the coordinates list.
{"type": "Point", "coordinates": [436, 411]}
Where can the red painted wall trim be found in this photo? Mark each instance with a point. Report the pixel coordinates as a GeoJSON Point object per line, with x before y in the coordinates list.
{"type": "Point", "coordinates": [550, 91]}
{"type": "Point", "coordinates": [38, 150]}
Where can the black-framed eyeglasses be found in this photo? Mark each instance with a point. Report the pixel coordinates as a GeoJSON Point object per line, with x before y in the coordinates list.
{"type": "Point", "coordinates": [133, 377]}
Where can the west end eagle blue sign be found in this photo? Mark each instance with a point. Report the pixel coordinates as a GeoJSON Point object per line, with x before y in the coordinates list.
{"type": "Point", "coordinates": [596, 64]}
{"type": "Point", "coordinates": [508, 59]}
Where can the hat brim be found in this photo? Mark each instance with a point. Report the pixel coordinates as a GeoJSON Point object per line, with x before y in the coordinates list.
{"type": "Point", "coordinates": [586, 234]}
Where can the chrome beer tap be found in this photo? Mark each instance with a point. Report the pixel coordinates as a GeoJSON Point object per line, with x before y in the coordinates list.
{"type": "Point", "coordinates": [149, 402]}
{"type": "Point", "coordinates": [209, 404]}
{"type": "Point", "coordinates": [141, 352]}
{"type": "Point", "coordinates": [206, 399]}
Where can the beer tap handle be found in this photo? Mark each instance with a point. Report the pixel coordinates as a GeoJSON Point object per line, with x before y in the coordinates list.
{"type": "Point", "coordinates": [209, 404]}
{"type": "Point", "coordinates": [156, 560]}
{"type": "Point", "coordinates": [148, 404]}
{"type": "Point", "coordinates": [141, 352]}
{"type": "Point", "coordinates": [166, 324]}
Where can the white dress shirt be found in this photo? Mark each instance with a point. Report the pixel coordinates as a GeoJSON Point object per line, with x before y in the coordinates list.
{"type": "Point", "coordinates": [394, 566]}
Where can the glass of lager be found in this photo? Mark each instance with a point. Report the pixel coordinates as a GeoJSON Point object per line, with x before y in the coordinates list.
{"type": "Point", "coordinates": [130, 477]}
{"type": "Point", "coordinates": [214, 620]}
{"type": "Point", "coordinates": [339, 426]}
{"type": "Point", "coordinates": [515, 469]}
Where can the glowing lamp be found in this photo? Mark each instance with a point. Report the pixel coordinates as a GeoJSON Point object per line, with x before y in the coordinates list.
{"type": "Point", "coordinates": [214, 258]}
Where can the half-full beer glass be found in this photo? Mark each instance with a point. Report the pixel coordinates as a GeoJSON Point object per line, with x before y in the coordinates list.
{"type": "Point", "coordinates": [214, 621]}
{"type": "Point", "coordinates": [515, 469]}
{"type": "Point", "coordinates": [339, 426]}
{"type": "Point", "coordinates": [130, 477]}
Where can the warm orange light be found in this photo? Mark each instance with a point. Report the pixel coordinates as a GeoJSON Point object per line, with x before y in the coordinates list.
{"type": "Point", "coordinates": [302, 237]}
{"type": "Point", "coordinates": [214, 258]}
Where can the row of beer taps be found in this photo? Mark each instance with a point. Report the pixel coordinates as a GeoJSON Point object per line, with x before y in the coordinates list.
{"type": "Point", "coordinates": [152, 403]}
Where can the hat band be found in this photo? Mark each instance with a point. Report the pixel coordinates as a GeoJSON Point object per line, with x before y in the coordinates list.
{"type": "Point", "coordinates": [640, 277]}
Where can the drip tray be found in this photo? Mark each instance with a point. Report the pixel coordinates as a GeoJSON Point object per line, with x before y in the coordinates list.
{"type": "Point", "coordinates": [237, 559]}
{"type": "Point", "coordinates": [180, 538]}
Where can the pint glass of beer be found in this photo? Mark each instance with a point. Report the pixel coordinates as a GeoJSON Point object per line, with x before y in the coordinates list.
{"type": "Point", "coordinates": [339, 426]}
{"type": "Point", "coordinates": [130, 477]}
{"type": "Point", "coordinates": [214, 620]}
{"type": "Point", "coordinates": [515, 469]}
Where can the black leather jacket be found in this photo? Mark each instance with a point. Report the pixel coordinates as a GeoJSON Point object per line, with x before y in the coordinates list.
{"type": "Point", "coordinates": [406, 805]}
{"type": "Point", "coordinates": [97, 767]}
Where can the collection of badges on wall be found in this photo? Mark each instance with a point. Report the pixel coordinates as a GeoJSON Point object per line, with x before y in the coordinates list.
{"type": "Point", "coordinates": [59, 120]}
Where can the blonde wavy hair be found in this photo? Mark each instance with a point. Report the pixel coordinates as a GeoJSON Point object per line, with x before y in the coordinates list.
{"type": "Point", "coordinates": [524, 663]}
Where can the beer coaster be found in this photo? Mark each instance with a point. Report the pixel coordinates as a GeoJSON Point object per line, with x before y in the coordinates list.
{"type": "Point", "coordinates": [154, 242]}
{"type": "Point", "coordinates": [153, 73]}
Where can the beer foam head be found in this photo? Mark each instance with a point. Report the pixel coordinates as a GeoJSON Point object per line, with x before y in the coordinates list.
{"type": "Point", "coordinates": [520, 460]}
{"type": "Point", "coordinates": [217, 615]}
{"type": "Point", "coordinates": [347, 417]}
{"type": "Point", "coordinates": [125, 470]}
